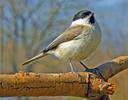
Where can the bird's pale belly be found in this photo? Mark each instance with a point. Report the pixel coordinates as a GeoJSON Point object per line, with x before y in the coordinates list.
{"type": "Point", "coordinates": [77, 49]}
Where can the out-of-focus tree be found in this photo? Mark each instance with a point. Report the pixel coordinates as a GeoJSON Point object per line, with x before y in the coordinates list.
{"type": "Point", "coordinates": [1, 41]}
{"type": "Point", "coordinates": [23, 27]}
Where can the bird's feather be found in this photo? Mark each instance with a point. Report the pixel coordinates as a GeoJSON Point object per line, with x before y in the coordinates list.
{"type": "Point", "coordinates": [34, 58]}
{"type": "Point", "coordinates": [69, 34]}
{"type": "Point", "coordinates": [74, 32]}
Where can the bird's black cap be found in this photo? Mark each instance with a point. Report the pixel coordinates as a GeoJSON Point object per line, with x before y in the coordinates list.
{"type": "Point", "coordinates": [83, 14]}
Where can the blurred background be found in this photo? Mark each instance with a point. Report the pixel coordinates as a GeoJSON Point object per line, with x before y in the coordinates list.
{"type": "Point", "coordinates": [28, 26]}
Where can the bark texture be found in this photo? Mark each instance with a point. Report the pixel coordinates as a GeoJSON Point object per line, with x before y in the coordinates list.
{"type": "Point", "coordinates": [91, 84]}
{"type": "Point", "coordinates": [64, 84]}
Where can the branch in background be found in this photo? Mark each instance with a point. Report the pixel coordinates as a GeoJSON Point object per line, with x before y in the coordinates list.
{"type": "Point", "coordinates": [89, 85]}
{"type": "Point", "coordinates": [15, 34]}
{"type": "Point", "coordinates": [38, 41]}
{"type": "Point", "coordinates": [49, 22]}
{"type": "Point", "coordinates": [34, 35]}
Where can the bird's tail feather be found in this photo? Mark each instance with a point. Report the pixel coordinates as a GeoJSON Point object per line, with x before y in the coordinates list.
{"type": "Point", "coordinates": [34, 58]}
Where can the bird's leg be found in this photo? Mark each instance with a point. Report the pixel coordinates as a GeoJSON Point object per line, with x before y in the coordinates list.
{"type": "Point", "coordinates": [72, 69]}
{"type": "Point", "coordinates": [86, 68]}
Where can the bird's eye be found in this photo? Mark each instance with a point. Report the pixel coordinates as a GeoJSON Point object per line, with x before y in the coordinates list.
{"type": "Point", "coordinates": [86, 13]}
{"type": "Point", "coordinates": [81, 14]}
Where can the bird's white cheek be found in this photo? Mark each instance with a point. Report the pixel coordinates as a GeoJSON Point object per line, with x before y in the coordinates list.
{"type": "Point", "coordinates": [84, 21]}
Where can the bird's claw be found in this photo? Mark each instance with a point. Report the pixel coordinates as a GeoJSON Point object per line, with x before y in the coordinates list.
{"type": "Point", "coordinates": [76, 73]}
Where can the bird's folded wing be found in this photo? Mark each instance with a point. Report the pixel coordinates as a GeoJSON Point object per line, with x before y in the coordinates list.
{"type": "Point", "coordinates": [69, 34]}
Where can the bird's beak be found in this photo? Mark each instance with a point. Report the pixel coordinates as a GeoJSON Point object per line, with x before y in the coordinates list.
{"type": "Point", "coordinates": [91, 15]}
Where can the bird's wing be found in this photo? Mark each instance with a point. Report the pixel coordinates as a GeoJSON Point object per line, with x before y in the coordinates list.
{"type": "Point", "coordinates": [69, 34]}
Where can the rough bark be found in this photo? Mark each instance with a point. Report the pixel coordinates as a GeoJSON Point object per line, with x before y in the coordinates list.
{"type": "Point", "coordinates": [113, 67]}
{"type": "Point", "coordinates": [64, 84]}
{"type": "Point", "coordinates": [91, 84]}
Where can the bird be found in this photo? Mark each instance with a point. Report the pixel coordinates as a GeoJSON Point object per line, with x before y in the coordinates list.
{"type": "Point", "coordinates": [77, 42]}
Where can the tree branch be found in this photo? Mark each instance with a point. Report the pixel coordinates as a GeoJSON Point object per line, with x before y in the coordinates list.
{"type": "Point", "coordinates": [113, 67]}
{"type": "Point", "coordinates": [64, 84]}
{"type": "Point", "coordinates": [91, 84]}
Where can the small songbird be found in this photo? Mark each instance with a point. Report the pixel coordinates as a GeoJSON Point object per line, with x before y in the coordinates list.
{"type": "Point", "coordinates": [77, 42]}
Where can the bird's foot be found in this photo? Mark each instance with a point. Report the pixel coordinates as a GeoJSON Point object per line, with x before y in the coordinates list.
{"type": "Point", "coordinates": [76, 73]}
{"type": "Point", "coordinates": [86, 68]}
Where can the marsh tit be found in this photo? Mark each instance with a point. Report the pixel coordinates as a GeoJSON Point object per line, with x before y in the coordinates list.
{"type": "Point", "coordinates": [77, 42]}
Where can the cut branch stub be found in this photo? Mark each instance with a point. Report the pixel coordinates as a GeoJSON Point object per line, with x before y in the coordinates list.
{"type": "Point", "coordinates": [98, 87]}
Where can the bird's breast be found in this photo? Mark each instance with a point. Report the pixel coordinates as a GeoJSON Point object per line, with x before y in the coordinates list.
{"type": "Point", "coordinates": [78, 49]}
